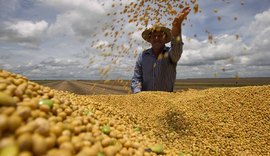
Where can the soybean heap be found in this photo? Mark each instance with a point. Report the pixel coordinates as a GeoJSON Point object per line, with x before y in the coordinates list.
{"type": "Point", "coordinates": [37, 120]}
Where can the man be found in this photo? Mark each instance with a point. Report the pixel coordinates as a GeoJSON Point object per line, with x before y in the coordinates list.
{"type": "Point", "coordinates": [155, 68]}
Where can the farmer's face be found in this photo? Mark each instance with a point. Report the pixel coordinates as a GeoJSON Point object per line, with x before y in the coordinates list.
{"type": "Point", "coordinates": [157, 37]}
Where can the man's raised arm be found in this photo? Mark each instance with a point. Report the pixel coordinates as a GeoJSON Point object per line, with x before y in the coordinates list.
{"type": "Point", "coordinates": [177, 44]}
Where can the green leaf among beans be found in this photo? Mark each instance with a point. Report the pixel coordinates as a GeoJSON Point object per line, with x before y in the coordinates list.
{"type": "Point", "coordinates": [158, 149]}
{"type": "Point", "coordinates": [100, 154]}
{"type": "Point", "coordinates": [106, 129]}
{"type": "Point", "coordinates": [137, 129]}
{"type": "Point", "coordinates": [11, 150]}
{"type": "Point", "coordinates": [46, 102]}
{"type": "Point", "coordinates": [183, 154]}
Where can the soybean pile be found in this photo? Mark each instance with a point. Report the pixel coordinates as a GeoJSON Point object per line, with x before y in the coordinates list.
{"type": "Point", "coordinates": [37, 120]}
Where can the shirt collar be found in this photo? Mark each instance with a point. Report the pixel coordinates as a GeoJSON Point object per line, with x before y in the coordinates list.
{"type": "Point", "coordinates": [150, 51]}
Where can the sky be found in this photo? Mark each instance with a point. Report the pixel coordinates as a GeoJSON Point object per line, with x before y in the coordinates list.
{"type": "Point", "coordinates": [57, 39]}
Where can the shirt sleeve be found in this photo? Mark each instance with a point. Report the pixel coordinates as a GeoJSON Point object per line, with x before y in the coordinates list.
{"type": "Point", "coordinates": [176, 50]}
{"type": "Point", "coordinates": [136, 82]}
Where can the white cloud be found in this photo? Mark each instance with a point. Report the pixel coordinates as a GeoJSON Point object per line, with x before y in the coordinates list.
{"type": "Point", "coordinates": [100, 43]}
{"type": "Point", "coordinates": [62, 63]}
{"type": "Point", "coordinates": [80, 18]}
{"type": "Point", "coordinates": [6, 66]}
{"type": "Point", "coordinates": [203, 53]}
{"type": "Point", "coordinates": [260, 32]}
{"type": "Point", "coordinates": [26, 33]}
{"type": "Point", "coordinates": [83, 5]}
{"type": "Point", "coordinates": [136, 36]}
{"type": "Point", "coordinates": [233, 56]}
{"type": "Point", "coordinates": [27, 29]}
{"type": "Point", "coordinates": [261, 22]}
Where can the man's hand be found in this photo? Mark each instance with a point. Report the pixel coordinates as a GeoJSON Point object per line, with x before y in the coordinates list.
{"type": "Point", "coordinates": [176, 25]}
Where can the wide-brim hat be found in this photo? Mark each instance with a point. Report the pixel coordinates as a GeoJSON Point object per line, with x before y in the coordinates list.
{"type": "Point", "coordinates": [146, 34]}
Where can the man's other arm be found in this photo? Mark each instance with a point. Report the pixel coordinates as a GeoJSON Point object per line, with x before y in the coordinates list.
{"type": "Point", "coordinates": [136, 82]}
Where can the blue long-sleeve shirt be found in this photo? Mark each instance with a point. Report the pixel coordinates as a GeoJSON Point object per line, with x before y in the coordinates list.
{"type": "Point", "coordinates": [157, 74]}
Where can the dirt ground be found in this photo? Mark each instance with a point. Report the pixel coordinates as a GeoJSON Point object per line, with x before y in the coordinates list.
{"type": "Point", "coordinates": [88, 88]}
{"type": "Point", "coordinates": [99, 87]}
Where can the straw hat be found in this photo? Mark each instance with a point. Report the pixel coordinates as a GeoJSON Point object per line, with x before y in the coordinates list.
{"type": "Point", "coordinates": [147, 32]}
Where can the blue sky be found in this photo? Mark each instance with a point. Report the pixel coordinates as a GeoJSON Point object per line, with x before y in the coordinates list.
{"type": "Point", "coordinates": [51, 39]}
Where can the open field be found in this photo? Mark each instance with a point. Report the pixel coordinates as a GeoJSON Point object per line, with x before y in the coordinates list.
{"type": "Point", "coordinates": [90, 87]}
{"type": "Point", "coordinates": [38, 120]}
